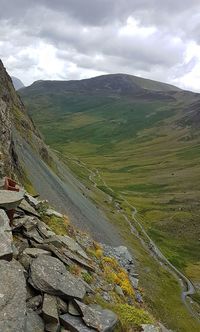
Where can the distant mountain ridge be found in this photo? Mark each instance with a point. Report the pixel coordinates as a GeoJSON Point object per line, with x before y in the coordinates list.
{"type": "Point", "coordinates": [17, 83]}
{"type": "Point", "coordinates": [115, 83]}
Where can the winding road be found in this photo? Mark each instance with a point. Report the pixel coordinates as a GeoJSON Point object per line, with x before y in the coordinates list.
{"type": "Point", "coordinates": [187, 286]}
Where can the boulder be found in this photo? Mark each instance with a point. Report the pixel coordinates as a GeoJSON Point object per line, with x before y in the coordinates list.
{"type": "Point", "coordinates": [50, 313]}
{"type": "Point", "coordinates": [12, 297]}
{"type": "Point", "coordinates": [100, 319]}
{"type": "Point", "coordinates": [49, 275]}
{"type": "Point", "coordinates": [6, 251]}
{"type": "Point", "coordinates": [34, 322]}
{"type": "Point", "coordinates": [74, 324]}
{"type": "Point", "coordinates": [35, 252]}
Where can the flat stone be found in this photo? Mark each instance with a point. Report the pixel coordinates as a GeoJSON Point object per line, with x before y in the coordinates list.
{"type": "Point", "coordinates": [102, 320]}
{"type": "Point", "coordinates": [25, 260]}
{"type": "Point", "coordinates": [34, 322]}
{"type": "Point", "coordinates": [6, 239]}
{"type": "Point", "coordinates": [35, 252]}
{"type": "Point", "coordinates": [43, 229]}
{"type": "Point", "coordinates": [72, 309]}
{"type": "Point", "coordinates": [74, 324]}
{"type": "Point", "coordinates": [81, 261]}
{"type": "Point", "coordinates": [72, 245]}
{"type": "Point", "coordinates": [51, 212]}
{"type": "Point", "coordinates": [50, 313]}
{"type": "Point", "coordinates": [12, 297]}
{"type": "Point", "coordinates": [25, 206]}
{"type": "Point", "coordinates": [10, 199]}
{"type": "Point", "coordinates": [48, 274]}
{"type": "Point", "coordinates": [32, 200]}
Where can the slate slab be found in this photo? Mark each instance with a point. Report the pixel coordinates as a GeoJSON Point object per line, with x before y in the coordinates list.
{"type": "Point", "coordinates": [74, 324]}
{"type": "Point", "coordinates": [103, 320]}
{"type": "Point", "coordinates": [10, 199]}
{"type": "Point", "coordinates": [48, 274]}
{"type": "Point", "coordinates": [6, 251]}
{"type": "Point", "coordinates": [12, 297]}
{"type": "Point", "coordinates": [35, 252]}
{"type": "Point", "coordinates": [50, 313]}
{"type": "Point", "coordinates": [34, 322]}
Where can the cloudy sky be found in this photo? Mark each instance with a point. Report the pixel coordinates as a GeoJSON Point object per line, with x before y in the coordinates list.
{"type": "Point", "coordinates": [73, 39]}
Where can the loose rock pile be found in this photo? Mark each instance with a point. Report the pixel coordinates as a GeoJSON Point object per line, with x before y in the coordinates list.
{"type": "Point", "coordinates": [38, 289]}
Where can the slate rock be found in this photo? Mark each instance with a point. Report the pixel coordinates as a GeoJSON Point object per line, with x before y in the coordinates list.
{"type": "Point", "coordinates": [100, 319]}
{"type": "Point", "coordinates": [134, 282]}
{"type": "Point", "coordinates": [72, 245]}
{"type": "Point", "coordinates": [34, 322]}
{"type": "Point", "coordinates": [25, 260]}
{"type": "Point", "coordinates": [12, 297]}
{"type": "Point", "coordinates": [50, 313]}
{"type": "Point", "coordinates": [26, 207]}
{"type": "Point", "coordinates": [72, 309]}
{"type": "Point", "coordinates": [43, 229]}
{"type": "Point", "coordinates": [6, 251]}
{"type": "Point", "coordinates": [150, 328]}
{"type": "Point", "coordinates": [34, 202]}
{"type": "Point", "coordinates": [34, 235]}
{"type": "Point", "coordinates": [62, 306]}
{"type": "Point", "coordinates": [35, 252]}
{"type": "Point", "coordinates": [74, 324]}
{"type": "Point", "coordinates": [51, 212]}
{"type": "Point", "coordinates": [49, 275]}
{"type": "Point", "coordinates": [30, 223]}
{"type": "Point", "coordinates": [34, 303]}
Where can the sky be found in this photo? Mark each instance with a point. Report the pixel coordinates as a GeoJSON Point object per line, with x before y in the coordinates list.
{"type": "Point", "coordinates": [75, 39]}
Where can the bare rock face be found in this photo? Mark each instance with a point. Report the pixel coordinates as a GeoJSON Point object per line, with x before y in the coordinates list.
{"type": "Point", "coordinates": [6, 251]}
{"type": "Point", "coordinates": [49, 275]}
{"type": "Point", "coordinates": [34, 322]}
{"type": "Point", "coordinates": [12, 297]}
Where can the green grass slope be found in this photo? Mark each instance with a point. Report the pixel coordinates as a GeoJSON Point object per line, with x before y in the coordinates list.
{"type": "Point", "coordinates": [144, 139]}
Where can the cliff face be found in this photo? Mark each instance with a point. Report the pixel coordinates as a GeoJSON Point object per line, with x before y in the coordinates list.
{"type": "Point", "coordinates": [14, 121]}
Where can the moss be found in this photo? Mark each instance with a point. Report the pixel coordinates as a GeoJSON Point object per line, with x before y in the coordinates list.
{"type": "Point", "coordinates": [58, 225]}
{"type": "Point", "coordinates": [87, 277]}
{"type": "Point", "coordinates": [130, 316]}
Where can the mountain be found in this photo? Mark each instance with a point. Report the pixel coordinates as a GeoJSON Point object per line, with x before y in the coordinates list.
{"type": "Point", "coordinates": [17, 83]}
{"type": "Point", "coordinates": [137, 141]}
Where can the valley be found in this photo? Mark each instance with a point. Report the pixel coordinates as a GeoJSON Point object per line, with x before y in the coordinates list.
{"type": "Point", "coordinates": [145, 147]}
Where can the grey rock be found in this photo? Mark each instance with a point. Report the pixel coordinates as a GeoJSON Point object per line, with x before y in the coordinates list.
{"type": "Point", "coordinates": [138, 297]}
{"type": "Point", "coordinates": [134, 282]}
{"type": "Point", "coordinates": [12, 297]}
{"type": "Point", "coordinates": [10, 199]}
{"type": "Point", "coordinates": [21, 243]}
{"type": "Point", "coordinates": [35, 252]}
{"type": "Point", "coordinates": [34, 322]}
{"type": "Point", "coordinates": [72, 245]}
{"type": "Point", "coordinates": [62, 306]}
{"type": "Point", "coordinates": [102, 320]}
{"type": "Point", "coordinates": [119, 290]}
{"type": "Point", "coordinates": [50, 313]}
{"type": "Point", "coordinates": [34, 303]}
{"type": "Point", "coordinates": [25, 260]}
{"type": "Point", "coordinates": [150, 328]}
{"type": "Point", "coordinates": [49, 275]}
{"type": "Point", "coordinates": [6, 251]}
{"type": "Point", "coordinates": [34, 235]}
{"type": "Point", "coordinates": [74, 324]}
{"type": "Point", "coordinates": [72, 309]}
{"type": "Point", "coordinates": [30, 223]}
{"type": "Point", "coordinates": [17, 223]}
{"type": "Point", "coordinates": [43, 229]}
{"type": "Point", "coordinates": [25, 206]}
{"type": "Point", "coordinates": [34, 202]}
{"type": "Point", "coordinates": [51, 212]}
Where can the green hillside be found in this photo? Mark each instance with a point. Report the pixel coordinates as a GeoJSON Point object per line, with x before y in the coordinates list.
{"type": "Point", "coordinates": [142, 140]}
